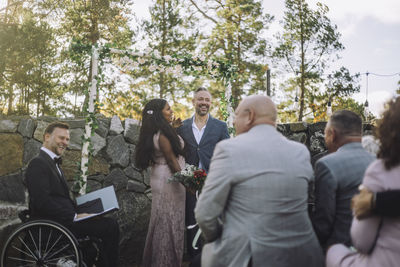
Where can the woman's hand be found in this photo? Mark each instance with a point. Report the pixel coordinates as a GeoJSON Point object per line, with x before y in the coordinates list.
{"type": "Point", "coordinates": [362, 203]}
{"type": "Point", "coordinates": [176, 123]}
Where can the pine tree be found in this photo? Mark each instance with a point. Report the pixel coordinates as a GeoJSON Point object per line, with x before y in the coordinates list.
{"type": "Point", "coordinates": [236, 36]}
{"type": "Point", "coordinates": [307, 44]}
{"type": "Point", "coordinates": [168, 31]}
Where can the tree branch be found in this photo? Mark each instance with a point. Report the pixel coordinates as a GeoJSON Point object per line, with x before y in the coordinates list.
{"type": "Point", "coordinates": [203, 13]}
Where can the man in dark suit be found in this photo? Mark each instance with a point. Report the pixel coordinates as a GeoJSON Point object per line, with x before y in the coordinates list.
{"type": "Point", "coordinates": [201, 133]}
{"type": "Point", "coordinates": [49, 196]}
{"type": "Point", "coordinates": [337, 177]}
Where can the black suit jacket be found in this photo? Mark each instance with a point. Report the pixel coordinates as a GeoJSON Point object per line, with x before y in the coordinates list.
{"type": "Point", "coordinates": [48, 191]}
{"type": "Point", "coordinates": [214, 132]}
{"type": "Point", "coordinates": [387, 203]}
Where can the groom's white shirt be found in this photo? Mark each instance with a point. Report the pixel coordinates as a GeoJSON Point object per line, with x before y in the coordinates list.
{"type": "Point", "coordinates": [198, 133]}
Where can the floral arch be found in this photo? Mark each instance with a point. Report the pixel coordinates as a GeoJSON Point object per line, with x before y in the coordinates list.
{"type": "Point", "coordinates": [176, 64]}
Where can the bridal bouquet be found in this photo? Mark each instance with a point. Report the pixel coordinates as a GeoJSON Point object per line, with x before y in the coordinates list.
{"type": "Point", "coordinates": [191, 177]}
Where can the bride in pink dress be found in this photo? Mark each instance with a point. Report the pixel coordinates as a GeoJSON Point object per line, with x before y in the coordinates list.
{"type": "Point", "coordinates": [161, 148]}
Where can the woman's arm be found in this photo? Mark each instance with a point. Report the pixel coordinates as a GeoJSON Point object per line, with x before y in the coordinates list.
{"type": "Point", "coordinates": [365, 232]}
{"type": "Point", "coordinates": [166, 149]}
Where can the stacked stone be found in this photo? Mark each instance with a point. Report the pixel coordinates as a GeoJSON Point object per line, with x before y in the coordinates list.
{"type": "Point", "coordinates": [114, 143]}
{"type": "Point", "coordinates": [112, 164]}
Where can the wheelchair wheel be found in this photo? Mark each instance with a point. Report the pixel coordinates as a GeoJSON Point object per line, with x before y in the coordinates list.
{"type": "Point", "coordinates": [41, 243]}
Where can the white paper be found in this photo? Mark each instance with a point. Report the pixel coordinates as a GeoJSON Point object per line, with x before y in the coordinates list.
{"type": "Point", "coordinates": [108, 199]}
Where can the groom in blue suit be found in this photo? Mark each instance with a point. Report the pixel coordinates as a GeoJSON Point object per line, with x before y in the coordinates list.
{"type": "Point", "coordinates": [201, 133]}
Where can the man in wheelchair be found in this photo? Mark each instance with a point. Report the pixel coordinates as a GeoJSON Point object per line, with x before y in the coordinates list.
{"type": "Point", "coordinates": [49, 196]}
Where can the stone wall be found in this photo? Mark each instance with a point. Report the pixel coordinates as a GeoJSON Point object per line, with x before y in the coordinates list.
{"type": "Point", "coordinates": [113, 164]}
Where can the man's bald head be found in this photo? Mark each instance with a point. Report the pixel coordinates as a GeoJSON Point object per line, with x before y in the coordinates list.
{"type": "Point", "coordinates": [254, 110]}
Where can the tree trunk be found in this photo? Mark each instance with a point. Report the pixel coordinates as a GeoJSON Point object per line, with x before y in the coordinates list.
{"type": "Point", "coordinates": [161, 81]}
{"type": "Point", "coordinates": [10, 100]}
{"type": "Point", "coordinates": [302, 71]}
{"type": "Point", "coordinates": [38, 104]}
{"type": "Point", "coordinates": [94, 36]}
{"type": "Point", "coordinates": [27, 102]}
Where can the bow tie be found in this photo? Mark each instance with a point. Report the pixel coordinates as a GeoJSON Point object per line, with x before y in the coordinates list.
{"type": "Point", "coordinates": [58, 160]}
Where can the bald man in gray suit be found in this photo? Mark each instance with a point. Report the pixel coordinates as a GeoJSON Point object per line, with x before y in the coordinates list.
{"type": "Point", "coordinates": [253, 207]}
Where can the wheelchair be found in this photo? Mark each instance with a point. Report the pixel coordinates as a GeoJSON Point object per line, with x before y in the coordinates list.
{"type": "Point", "coordinates": [47, 243]}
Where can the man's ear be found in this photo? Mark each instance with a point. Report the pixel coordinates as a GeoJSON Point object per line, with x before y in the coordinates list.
{"type": "Point", "coordinates": [251, 116]}
{"type": "Point", "coordinates": [334, 135]}
{"type": "Point", "coordinates": [46, 136]}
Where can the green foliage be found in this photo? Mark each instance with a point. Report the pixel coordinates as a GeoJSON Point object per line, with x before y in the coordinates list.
{"type": "Point", "coordinates": [27, 77]}
{"type": "Point", "coordinates": [235, 35]}
{"type": "Point", "coordinates": [83, 24]}
{"type": "Point", "coordinates": [305, 47]}
{"type": "Point", "coordinates": [168, 31]}
{"type": "Point", "coordinates": [339, 87]}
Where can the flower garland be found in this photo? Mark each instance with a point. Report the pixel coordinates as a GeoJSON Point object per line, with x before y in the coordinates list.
{"type": "Point", "coordinates": [175, 64]}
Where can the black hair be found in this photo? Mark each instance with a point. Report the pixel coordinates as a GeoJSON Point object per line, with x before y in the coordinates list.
{"type": "Point", "coordinates": [346, 122]}
{"type": "Point", "coordinates": [154, 121]}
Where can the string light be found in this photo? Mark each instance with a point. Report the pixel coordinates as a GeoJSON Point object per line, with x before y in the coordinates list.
{"type": "Point", "coordinates": [296, 102]}
{"type": "Point", "coordinates": [366, 105]}
{"type": "Point", "coordinates": [329, 109]}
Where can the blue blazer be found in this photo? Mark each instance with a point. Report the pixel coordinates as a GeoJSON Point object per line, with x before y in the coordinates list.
{"type": "Point", "coordinates": [214, 132]}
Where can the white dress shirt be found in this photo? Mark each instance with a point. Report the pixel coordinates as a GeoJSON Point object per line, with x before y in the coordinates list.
{"type": "Point", "coordinates": [198, 133]}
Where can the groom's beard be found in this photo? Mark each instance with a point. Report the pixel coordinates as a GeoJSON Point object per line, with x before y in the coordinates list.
{"type": "Point", "coordinates": [202, 110]}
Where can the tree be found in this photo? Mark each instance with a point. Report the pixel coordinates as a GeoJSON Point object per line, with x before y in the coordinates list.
{"type": "Point", "coordinates": [168, 32]}
{"type": "Point", "coordinates": [307, 44]}
{"type": "Point", "coordinates": [339, 86]}
{"type": "Point", "coordinates": [27, 60]}
{"type": "Point", "coordinates": [94, 22]}
{"type": "Point", "coordinates": [235, 35]}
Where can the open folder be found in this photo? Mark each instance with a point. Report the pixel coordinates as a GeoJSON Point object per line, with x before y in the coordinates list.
{"type": "Point", "coordinates": [97, 202]}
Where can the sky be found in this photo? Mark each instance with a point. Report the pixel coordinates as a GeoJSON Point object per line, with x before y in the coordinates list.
{"type": "Point", "coordinates": [371, 37]}
{"type": "Point", "coordinates": [370, 33]}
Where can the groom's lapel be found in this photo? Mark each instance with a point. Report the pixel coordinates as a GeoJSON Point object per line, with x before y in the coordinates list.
{"type": "Point", "coordinates": [53, 166]}
{"type": "Point", "coordinates": [190, 131]}
{"type": "Point", "coordinates": [209, 126]}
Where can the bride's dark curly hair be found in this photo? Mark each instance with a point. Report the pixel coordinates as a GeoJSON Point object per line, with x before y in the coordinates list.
{"type": "Point", "coordinates": [388, 133]}
{"type": "Point", "coordinates": [153, 121]}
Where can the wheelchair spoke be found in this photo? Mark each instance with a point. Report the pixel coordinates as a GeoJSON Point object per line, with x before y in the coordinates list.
{"type": "Point", "coordinates": [34, 243]}
{"type": "Point", "coordinates": [47, 244]}
{"type": "Point", "coordinates": [58, 239]}
{"type": "Point", "coordinates": [20, 250]}
{"type": "Point", "coordinates": [23, 260]}
{"type": "Point", "coordinates": [60, 250]}
{"type": "Point", "coordinates": [27, 247]}
{"type": "Point", "coordinates": [40, 241]}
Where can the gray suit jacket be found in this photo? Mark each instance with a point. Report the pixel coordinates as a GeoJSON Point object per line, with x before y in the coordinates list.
{"type": "Point", "coordinates": [257, 186]}
{"type": "Point", "coordinates": [337, 177]}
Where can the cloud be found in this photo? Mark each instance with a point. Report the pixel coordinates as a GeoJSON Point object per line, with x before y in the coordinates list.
{"type": "Point", "coordinates": [386, 11]}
